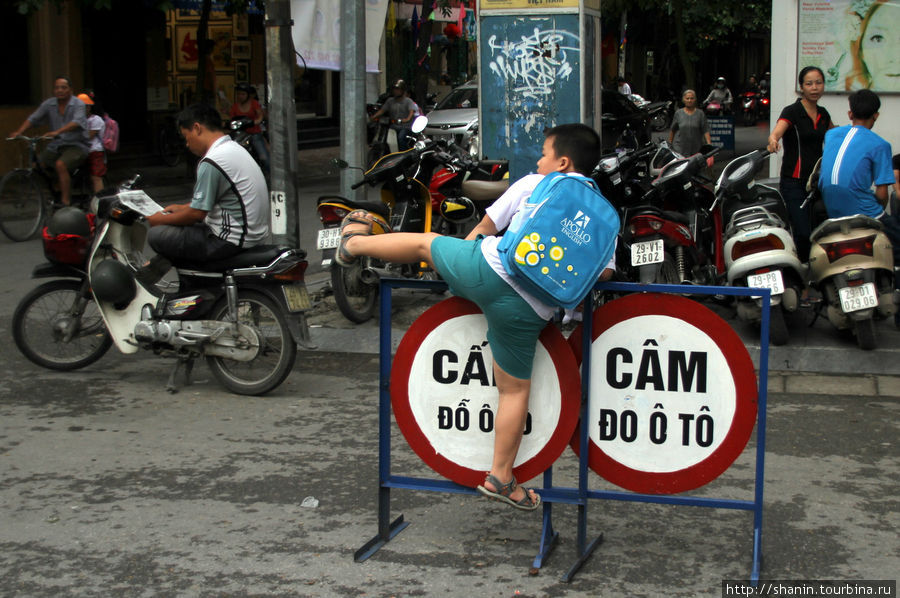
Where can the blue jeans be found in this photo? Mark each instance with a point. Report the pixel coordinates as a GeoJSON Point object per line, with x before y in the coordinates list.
{"type": "Point", "coordinates": [403, 132]}
{"type": "Point", "coordinates": [262, 152]}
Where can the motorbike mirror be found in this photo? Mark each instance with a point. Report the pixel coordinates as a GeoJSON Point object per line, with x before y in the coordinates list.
{"type": "Point", "coordinates": [419, 124]}
{"type": "Point", "coordinates": [342, 164]}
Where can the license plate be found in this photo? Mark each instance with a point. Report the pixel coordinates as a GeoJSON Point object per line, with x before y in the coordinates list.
{"type": "Point", "coordinates": [767, 280]}
{"type": "Point", "coordinates": [296, 297]}
{"type": "Point", "coordinates": [855, 298]}
{"type": "Point", "coordinates": [329, 238]}
{"type": "Point", "coordinates": [646, 252]}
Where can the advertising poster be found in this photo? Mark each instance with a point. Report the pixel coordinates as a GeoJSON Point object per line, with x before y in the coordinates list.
{"type": "Point", "coordinates": [317, 32]}
{"type": "Point", "coordinates": [856, 43]}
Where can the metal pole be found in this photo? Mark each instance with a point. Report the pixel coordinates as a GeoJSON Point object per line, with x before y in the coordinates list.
{"type": "Point", "coordinates": [353, 91]}
{"type": "Point", "coordinates": [283, 195]}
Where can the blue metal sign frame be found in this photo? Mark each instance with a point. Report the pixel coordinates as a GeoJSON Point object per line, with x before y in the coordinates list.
{"type": "Point", "coordinates": [550, 494]}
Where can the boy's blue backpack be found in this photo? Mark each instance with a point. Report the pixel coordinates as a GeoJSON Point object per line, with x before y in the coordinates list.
{"type": "Point", "coordinates": [560, 241]}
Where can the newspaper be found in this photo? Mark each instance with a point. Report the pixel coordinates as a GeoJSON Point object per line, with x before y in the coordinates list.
{"type": "Point", "coordinates": [140, 202]}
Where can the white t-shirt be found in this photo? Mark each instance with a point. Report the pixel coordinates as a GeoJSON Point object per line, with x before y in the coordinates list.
{"type": "Point", "coordinates": [502, 212]}
{"type": "Point", "coordinates": [95, 123]}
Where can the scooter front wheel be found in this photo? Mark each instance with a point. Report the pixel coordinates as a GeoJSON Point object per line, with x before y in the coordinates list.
{"type": "Point", "coordinates": [277, 350]}
{"type": "Point", "coordinates": [58, 326]}
{"type": "Point", "coordinates": [355, 299]}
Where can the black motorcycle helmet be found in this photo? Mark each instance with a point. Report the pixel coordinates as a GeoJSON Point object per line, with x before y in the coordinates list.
{"type": "Point", "coordinates": [113, 282]}
{"type": "Point", "coordinates": [69, 221]}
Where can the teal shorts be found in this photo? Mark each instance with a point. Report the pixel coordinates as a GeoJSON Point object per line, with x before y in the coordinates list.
{"type": "Point", "coordinates": [513, 326]}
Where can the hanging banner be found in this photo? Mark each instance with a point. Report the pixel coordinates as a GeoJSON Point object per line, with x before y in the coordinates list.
{"type": "Point", "coordinates": [317, 33]}
{"type": "Point", "coordinates": [488, 5]}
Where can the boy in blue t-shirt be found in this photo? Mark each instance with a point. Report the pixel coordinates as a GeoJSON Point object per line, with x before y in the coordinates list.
{"type": "Point", "coordinates": [473, 270]}
{"type": "Point", "coordinates": [853, 159]}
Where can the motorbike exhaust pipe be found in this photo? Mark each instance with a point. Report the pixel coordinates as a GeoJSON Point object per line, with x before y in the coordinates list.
{"type": "Point", "coordinates": [372, 275]}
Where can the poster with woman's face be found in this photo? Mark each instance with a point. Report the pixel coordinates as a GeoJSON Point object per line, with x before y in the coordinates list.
{"type": "Point", "coordinates": [855, 42]}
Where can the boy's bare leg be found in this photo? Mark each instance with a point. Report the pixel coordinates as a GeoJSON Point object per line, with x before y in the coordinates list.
{"type": "Point", "coordinates": [509, 426]}
{"type": "Point", "coordinates": [403, 248]}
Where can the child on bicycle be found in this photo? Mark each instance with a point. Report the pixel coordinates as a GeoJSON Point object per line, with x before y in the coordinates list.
{"type": "Point", "coordinates": [473, 269]}
{"type": "Point", "coordinates": [94, 133]}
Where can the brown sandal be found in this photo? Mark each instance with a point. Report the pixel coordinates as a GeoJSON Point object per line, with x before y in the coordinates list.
{"type": "Point", "coordinates": [342, 256]}
{"type": "Point", "coordinates": [504, 494]}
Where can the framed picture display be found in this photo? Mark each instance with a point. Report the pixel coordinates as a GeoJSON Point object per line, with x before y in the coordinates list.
{"type": "Point", "coordinates": [241, 26]}
{"type": "Point", "coordinates": [185, 86]}
{"type": "Point", "coordinates": [240, 50]}
{"type": "Point", "coordinates": [187, 52]}
{"type": "Point", "coordinates": [242, 72]}
{"type": "Point", "coordinates": [170, 51]}
{"type": "Point", "coordinates": [221, 37]}
{"type": "Point", "coordinates": [224, 92]}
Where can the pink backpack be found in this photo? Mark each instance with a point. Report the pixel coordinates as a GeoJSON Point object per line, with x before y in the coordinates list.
{"type": "Point", "coordinates": [110, 134]}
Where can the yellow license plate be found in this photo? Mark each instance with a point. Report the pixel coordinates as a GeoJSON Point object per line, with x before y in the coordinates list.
{"type": "Point", "coordinates": [296, 297]}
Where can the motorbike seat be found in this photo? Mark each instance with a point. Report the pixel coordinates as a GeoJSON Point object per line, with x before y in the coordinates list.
{"type": "Point", "coordinates": [667, 214]}
{"type": "Point", "coordinates": [379, 208]}
{"type": "Point", "coordinates": [259, 255]}
{"type": "Point", "coordinates": [484, 190]}
{"type": "Point", "coordinates": [844, 225]}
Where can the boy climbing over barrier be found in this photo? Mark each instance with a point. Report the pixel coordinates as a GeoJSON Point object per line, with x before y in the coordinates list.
{"type": "Point", "coordinates": [474, 270]}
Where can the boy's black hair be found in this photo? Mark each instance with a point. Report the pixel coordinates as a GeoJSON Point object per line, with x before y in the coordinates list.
{"type": "Point", "coordinates": [864, 103]}
{"type": "Point", "coordinates": [577, 142]}
{"type": "Point", "coordinates": [203, 114]}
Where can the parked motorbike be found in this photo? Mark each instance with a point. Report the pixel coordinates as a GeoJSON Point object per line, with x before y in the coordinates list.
{"type": "Point", "coordinates": [462, 189]}
{"type": "Point", "coordinates": [674, 234]}
{"type": "Point", "coordinates": [405, 206]}
{"type": "Point", "coordinates": [623, 177]}
{"type": "Point", "coordinates": [851, 263]}
{"type": "Point", "coordinates": [245, 315]}
{"type": "Point", "coordinates": [759, 248]}
{"type": "Point", "coordinates": [659, 112]}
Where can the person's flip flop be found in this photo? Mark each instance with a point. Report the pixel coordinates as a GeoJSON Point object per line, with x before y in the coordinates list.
{"type": "Point", "coordinates": [505, 490]}
{"type": "Point", "coordinates": [342, 256]}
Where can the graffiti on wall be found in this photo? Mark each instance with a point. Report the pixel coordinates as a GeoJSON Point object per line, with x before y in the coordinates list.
{"type": "Point", "coordinates": [534, 63]}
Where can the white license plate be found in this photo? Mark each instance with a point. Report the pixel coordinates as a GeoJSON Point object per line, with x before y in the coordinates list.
{"type": "Point", "coordinates": [767, 280]}
{"type": "Point", "coordinates": [296, 296]}
{"type": "Point", "coordinates": [329, 238]}
{"type": "Point", "coordinates": [855, 298]}
{"type": "Point", "coordinates": [646, 252]}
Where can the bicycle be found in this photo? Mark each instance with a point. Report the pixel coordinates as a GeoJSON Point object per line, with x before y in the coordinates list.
{"type": "Point", "coordinates": [27, 195]}
{"type": "Point", "coordinates": [171, 145]}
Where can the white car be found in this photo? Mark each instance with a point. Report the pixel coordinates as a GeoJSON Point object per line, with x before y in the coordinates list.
{"type": "Point", "coordinates": [455, 118]}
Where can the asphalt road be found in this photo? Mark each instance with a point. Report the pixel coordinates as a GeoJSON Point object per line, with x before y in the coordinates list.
{"type": "Point", "coordinates": [109, 486]}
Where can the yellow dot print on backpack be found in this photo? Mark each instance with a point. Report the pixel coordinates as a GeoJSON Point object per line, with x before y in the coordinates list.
{"type": "Point", "coordinates": [527, 250]}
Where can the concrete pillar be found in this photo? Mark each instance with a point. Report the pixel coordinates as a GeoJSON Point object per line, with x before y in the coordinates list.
{"type": "Point", "coordinates": [353, 92]}
{"type": "Point", "coordinates": [283, 194]}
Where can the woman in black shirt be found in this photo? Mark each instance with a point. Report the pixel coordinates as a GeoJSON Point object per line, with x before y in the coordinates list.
{"type": "Point", "coordinates": [801, 129]}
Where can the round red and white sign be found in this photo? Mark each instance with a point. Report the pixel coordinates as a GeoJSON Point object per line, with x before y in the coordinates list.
{"type": "Point", "coordinates": [672, 394]}
{"type": "Point", "coordinates": [445, 400]}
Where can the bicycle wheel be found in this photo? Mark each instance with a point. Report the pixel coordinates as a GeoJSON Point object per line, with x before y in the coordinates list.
{"type": "Point", "coordinates": [22, 208]}
{"type": "Point", "coordinates": [171, 148]}
{"type": "Point", "coordinates": [56, 326]}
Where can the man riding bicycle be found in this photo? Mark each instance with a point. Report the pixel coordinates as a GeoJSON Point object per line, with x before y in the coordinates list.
{"type": "Point", "coordinates": [65, 115]}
